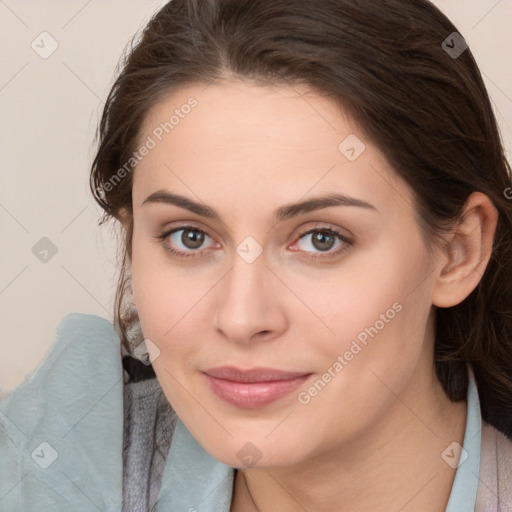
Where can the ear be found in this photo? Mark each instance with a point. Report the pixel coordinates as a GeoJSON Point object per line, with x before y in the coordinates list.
{"type": "Point", "coordinates": [467, 252]}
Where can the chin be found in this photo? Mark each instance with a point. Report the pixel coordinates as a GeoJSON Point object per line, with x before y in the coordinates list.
{"type": "Point", "coordinates": [242, 453]}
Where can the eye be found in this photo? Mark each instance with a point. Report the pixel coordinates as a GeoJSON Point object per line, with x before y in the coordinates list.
{"type": "Point", "coordinates": [323, 239]}
{"type": "Point", "coordinates": [187, 239]}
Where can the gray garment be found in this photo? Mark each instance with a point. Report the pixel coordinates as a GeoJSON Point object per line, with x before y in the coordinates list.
{"type": "Point", "coordinates": [149, 423]}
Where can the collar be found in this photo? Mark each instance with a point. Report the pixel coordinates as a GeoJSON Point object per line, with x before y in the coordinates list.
{"type": "Point", "coordinates": [193, 480]}
{"type": "Point", "coordinates": [465, 485]}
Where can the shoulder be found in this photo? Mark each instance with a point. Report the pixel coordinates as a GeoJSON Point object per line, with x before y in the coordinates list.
{"type": "Point", "coordinates": [64, 423]}
{"type": "Point", "coordinates": [79, 334]}
{"type": "Point", "coordinates": [495, 487]}
{"type": "Point", "coordinates": [83, 346]}
{"type": "Point", "coordinates": [495, 443]}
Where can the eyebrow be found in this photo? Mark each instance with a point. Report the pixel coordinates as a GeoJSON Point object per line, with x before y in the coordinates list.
{"type": "Point", "coordinates": [282, 213]}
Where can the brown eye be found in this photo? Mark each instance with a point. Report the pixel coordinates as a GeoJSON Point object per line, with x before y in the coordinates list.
{"type": "Point", "coordinates": [323, 240]}
{"type": "Point", "coordinates": [184, 241]}
{"type": "Point", "coordinates": [192, 238]}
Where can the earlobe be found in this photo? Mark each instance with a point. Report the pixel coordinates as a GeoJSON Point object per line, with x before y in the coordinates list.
{"type": "Point", "coordinates": [467, 252]}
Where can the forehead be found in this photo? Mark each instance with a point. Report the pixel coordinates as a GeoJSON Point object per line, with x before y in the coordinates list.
{"type": "Point", "coordinates": [238, 112]}
{"type": "Point", "coordinates": [261, 142]}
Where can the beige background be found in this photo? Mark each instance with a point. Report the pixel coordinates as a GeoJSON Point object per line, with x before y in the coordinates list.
{"type": "Point", "coordinates": [49, 112]}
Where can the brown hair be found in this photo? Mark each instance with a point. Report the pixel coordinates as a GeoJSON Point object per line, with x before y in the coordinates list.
{"type": "Point", "coordinates": [425, 108]}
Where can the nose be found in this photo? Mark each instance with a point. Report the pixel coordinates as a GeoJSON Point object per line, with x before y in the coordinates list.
{"type": "Point", "coordinates": [250, 303]}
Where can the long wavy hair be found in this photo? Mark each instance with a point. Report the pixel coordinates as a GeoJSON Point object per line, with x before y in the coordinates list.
{"type": "Point", "coordinates": [424, 106]}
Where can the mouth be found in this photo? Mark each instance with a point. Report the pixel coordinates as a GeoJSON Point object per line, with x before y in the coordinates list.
{"type": "Point", "coordinates": [252, 388]}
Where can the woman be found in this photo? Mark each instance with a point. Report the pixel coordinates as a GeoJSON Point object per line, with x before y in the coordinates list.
{"type": "Point", "coordinates": [314, 299]}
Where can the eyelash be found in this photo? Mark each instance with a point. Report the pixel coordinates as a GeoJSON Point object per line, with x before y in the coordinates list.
{"type": "Point", "coordinates": [197, 253]}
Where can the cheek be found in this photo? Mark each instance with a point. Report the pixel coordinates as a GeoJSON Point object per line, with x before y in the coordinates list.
{"type": "Point", "coordinates": [170, 302]}
{"type": "Point", "coordinates": [165, 304]}
{"type": "Point", "coordinates": [151, 293]}
{"type": "Point", "coordinates": [372, 359]}
{"type": "Point", "coordinates": [161, 296]}
{"type": "Point", "coordinates": [164, 307]}
{"type": "Point", "coordinates": [381, 327]}
{"type": "Point", "coordinates": [378, 311]}
{"type": "Point", "coordinates": [371, 294]}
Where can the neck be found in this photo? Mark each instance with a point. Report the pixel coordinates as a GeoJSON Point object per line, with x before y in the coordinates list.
{"type": "Point", "coordinates": [395, 464]}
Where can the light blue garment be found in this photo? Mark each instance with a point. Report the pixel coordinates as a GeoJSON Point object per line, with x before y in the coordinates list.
{"type": "Point", "coordinates": [465, 485]}
{"type": "Point", "coordinates": [73, 404]}
{"type": "Point", "coordinates": [61, 435]}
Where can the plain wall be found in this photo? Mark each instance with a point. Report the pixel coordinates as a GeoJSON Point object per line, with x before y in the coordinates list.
{"type": "Point", "coordinates": [50, 108]}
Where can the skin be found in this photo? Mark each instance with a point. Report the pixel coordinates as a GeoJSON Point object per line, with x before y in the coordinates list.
{"type": "Point", "coordinates": [372, 438]}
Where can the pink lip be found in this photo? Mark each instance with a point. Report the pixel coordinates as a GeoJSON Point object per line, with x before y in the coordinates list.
{"type": "Point", "coordinates": [252, 388]}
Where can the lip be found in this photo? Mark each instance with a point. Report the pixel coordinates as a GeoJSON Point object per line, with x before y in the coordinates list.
{"type": "Point", "coordinates": [254, 387]}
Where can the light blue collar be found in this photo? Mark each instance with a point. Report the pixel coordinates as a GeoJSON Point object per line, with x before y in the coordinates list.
{"type": "Point", "coordinates": [465, 485]}
{"type": "Point", "coordinates": [194, 481]}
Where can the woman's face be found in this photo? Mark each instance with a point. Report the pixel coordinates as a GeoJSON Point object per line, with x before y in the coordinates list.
{"type": "Point", "coordinates": [336, 295]}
